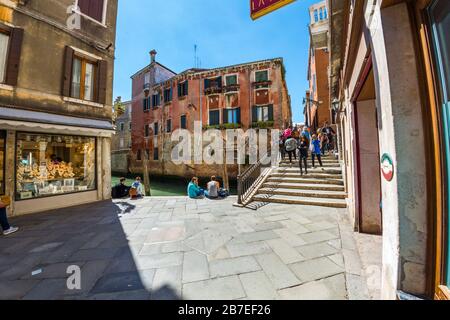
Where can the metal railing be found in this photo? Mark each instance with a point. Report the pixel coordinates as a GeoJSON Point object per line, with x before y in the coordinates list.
{"type": "Point", "coordinates": [247, 180]}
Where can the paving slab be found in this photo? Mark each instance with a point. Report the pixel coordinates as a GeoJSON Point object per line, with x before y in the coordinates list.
{"type": "Point", "coordinates": [233, 266]}
{"type": "Point", "coordinates": [278, 273]}
{"type": "Point", "coordinates": [257, 286]}
{"type": "Point", "coordinates": [316, 269]}
{"type": "Point", "coordinates": [226, 288]}
{"type": "Point", "coordinates": [195, 267]}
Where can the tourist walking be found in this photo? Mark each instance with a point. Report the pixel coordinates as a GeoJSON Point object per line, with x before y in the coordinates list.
{"type": "Point", "coordinates": [316, 152]}
{"type": "Point", "coordinates": [6, 227]}
{"type": "Point", "coordinates": [291, 148]}
{"type": "Point", "coordinates": [306, 134]}
{"type": "Point", "coordinates": [303, 155]}
{"type": "Point", "coordinates": [282, 147]}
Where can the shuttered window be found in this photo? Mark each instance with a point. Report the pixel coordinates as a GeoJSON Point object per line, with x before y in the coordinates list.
{"type": "Point", "coordinates": [214, 117]}
{"type": "Point", "coordinates": [10, 52]}
{"type": "Point", "coordinates": [84, 79]}
{"type": "Point", "coordinates": [183, 89]}
{"type": "Point", "coordinates": [4, 44]}
{"type": "Point", "coordinates": [183, 122]}
{"type": "Point", "coordinates": [156, 129]}
{"type": "Point", "coordinates": [168, 95]}
{"type": "Point", "coordinates": [262, 113]}
{"type": "Point", "coordinates": [169, 126]}
{"type": "Point", "coordinates": [92, 8]}
{"type": "Point", "coordinates": [232, 115]}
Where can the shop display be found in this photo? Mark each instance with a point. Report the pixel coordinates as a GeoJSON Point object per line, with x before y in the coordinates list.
{"type": "Point", "coordinates": [48, 165]}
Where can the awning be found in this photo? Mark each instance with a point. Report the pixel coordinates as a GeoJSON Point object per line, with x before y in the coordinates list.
{"type": "Point", "coordinates": [18, 119]}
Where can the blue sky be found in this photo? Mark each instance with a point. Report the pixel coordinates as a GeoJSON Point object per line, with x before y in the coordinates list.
{"type": "Point", "coordinates": [224, 33]}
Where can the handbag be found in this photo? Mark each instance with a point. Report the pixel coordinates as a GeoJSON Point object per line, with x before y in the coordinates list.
{"type": "Point", "coordinates": [6, 200]}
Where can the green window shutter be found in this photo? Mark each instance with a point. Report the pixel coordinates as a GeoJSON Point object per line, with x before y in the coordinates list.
{"type": "Point", "coordinates": [255, 114]}
{"type": "Point", "coordinates": [270, 112]}
{"type": "Point", "coordinates": [238, 115]}
{"type": "Point", "coordinates": [207, 83]}
{"type": "Point", "coordinates": [225, 115]}
{"type": "Point", "coordinates": [186, 92]}
{"type": "Point", "coordinates": [179, 90]}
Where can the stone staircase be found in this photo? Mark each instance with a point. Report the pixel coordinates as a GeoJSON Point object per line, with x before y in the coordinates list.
{"type": "Point", "coordinates": [321, 187]}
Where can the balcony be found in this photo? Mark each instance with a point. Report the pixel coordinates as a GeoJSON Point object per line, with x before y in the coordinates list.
{"type": "Point", "coordinates": [146, 88]}
{"type": "Point", "coordinates": [231, 88]}
{"type": "Point", "coordinates": [262, 84]}
{"type": "Point", "coordinates": [213, 90]}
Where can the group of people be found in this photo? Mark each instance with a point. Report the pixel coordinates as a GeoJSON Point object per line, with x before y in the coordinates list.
{"type": "Point", "coordinates": [135, 191]}
{"type": "Point", "coordinates": [293, 141]}
{"type": "Point", "coordinates": [213, 190]}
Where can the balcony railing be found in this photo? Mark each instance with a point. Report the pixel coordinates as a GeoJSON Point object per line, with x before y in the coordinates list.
{"type": "Point", "coordinates": [231, 88]}
{"type": "Point", "coordinates": [213, 90]}
{"type": "Point", "coordinates": [262, 84]}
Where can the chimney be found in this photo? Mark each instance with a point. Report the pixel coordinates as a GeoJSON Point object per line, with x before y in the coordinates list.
{"type": "Point", "coordinates": [153, 54]}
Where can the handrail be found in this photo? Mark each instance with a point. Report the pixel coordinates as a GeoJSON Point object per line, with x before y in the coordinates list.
{"type": "Point", "coordinates": [247, 179]}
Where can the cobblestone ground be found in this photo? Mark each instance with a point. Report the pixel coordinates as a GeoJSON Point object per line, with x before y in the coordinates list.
{"type": "Point", "coordinates": [177, 248]}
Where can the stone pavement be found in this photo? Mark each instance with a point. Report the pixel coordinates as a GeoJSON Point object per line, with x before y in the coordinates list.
{"type": "Point", "coordinates": [177, 248]}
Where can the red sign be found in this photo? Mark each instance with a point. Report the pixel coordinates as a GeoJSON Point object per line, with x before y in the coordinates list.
{"type": "Point", "coordinates": [260, 8]}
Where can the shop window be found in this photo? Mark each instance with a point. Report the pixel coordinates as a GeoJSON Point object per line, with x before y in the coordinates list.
{"type": "Point", "coordinates": [2, 161]}
{"type": "Point", "coordinates": [214, 117]}
{"type": "Point", "coordinates": [183, 123]}
{"type": "Point", "coordinates": [83, 79]}
{"type": "Point", "coordinates": [49, 165]}
{"type": "Point", "coordinates": [93, 9]}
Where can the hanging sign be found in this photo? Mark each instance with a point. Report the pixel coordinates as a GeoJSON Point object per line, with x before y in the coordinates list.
{"type": "Point", "coordinates": [387, 167]}
{"type": "Point", "coordinates": [260, 8]}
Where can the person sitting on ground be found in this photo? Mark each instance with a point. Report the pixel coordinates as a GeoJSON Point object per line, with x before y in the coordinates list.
{"type": "Point", "coordinates": [194, 191]}
{"type": "Point", "coordinates": [137, 190]}
{"type": "Point", "coordinates": [120, 190]}
{"type": "Point", "coordinates": [7, 228]}
{"type": "Point", "coordinates": [212, 188]}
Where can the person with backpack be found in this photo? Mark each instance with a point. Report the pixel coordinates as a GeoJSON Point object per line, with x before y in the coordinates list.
{"type": "Point", "coordinates": [316, 152]}
{"type": "Point", "coordinates": [137, 189]}
{"type": "Point", "coordinates": [291, 148]}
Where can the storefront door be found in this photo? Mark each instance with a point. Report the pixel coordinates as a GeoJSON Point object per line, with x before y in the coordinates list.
{"type": "Point", "coordinates": [439, 13]}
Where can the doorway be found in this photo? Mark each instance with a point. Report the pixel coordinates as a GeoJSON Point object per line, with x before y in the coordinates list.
{"type": "Point", "coordinates": [368, 171]}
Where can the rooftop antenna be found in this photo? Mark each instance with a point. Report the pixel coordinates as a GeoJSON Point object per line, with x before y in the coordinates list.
{"type": "Point", "coordinates": [195, 57]}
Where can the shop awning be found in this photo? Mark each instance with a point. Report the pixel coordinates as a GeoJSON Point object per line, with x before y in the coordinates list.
{"type": "Point", "coordinates": [17, 119]}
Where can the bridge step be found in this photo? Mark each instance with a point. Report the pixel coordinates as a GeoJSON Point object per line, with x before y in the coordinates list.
{"type": "Point", "coordinates": [283, 199]}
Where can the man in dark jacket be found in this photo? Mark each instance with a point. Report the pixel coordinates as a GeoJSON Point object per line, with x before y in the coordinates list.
{"type": "Point", "coordinates": [121, 190]}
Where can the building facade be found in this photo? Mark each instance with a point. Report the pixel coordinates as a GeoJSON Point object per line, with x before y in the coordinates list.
{"type": "Point", "coordinates": [250, 95]}
{"type": "Point", "coordinates": [56, 74]}
{"type": "Point", "coordinates": [390, 74]}
{"type": "Point", "coordinates": [121, 140]}
{"type": "Point", "coordinates": [317, 103]}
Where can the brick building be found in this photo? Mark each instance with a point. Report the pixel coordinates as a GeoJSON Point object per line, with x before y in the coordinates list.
{"type": "Point", "coordinates": [56, 75]}
{"type": "Point", "coordinates": [121, 141]}
{"type": "Point", "coordinates": [241, 96]}
{"type": "Point", "coordinates": [317, 104]}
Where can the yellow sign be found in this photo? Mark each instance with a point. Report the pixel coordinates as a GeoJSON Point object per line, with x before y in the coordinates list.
{"type": "Point", "coordinates": [260, 8]}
